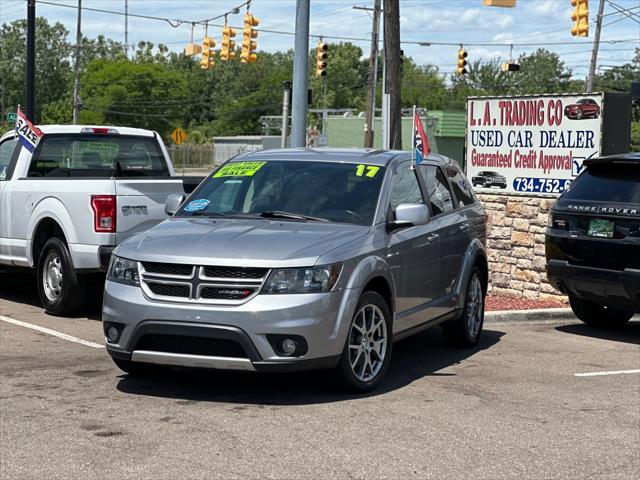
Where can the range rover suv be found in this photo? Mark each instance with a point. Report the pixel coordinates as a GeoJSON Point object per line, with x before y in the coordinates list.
{"type": "Point", "coordinates": [593, 241]}
{"type": "Point", "coordinates": [302, 259]}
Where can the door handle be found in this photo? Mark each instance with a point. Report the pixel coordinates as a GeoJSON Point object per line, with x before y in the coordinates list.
{"type": "Point", "coordinates": [433, 237]}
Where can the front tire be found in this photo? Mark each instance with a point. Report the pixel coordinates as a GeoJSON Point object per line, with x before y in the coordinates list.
{"type": "Point", "coordinates": [598, 316]}
{"type": "Point", "coordinates": [579, 114]}
{"type": "Point", "coordinates": [367, 352]}
{"type": "Point", "coordinates": [465, 331]}
{"type": "Point", "coordinates": [61, 290]}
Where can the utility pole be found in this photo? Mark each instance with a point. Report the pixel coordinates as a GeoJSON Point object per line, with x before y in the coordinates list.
{"type": "Point", "coordinates": [126, 28]}
{"type": "Point", "coordinates": [31, 60]}
{"type": "Point", "coordinates": [594, 54]}
{"type": "Point", "coordinates": [392, 71]}
{"type": "Point", "coordinates": [373, 74]}
{"type": "Point", "coordinates": [300, 73]}
{"type": "Point", "coordinates": [76, 83]}
{"type": "Point", "coordinates": [286, 100]}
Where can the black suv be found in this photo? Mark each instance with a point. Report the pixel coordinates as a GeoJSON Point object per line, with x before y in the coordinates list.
{"type": "Point", "coordinates": [593, 241]}
{"type": "Point", "coordinates": [489, 179]}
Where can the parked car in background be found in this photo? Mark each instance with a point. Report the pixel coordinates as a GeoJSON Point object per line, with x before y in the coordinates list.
{"type": "Point", "coordinates": [84, 189]}
{"type": "Point", "coordinates": [489, 179]}
{"type": "Point", "coordinates": [302, 259]}
{"type": "Point", "coordinates": [593, 241]}
{"type": "Point", "coordinates": [583, 108]}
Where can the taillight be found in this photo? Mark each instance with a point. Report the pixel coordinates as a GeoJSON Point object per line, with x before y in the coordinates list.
{"type": "Point", "coordinates": [100, 130]}
{"type": "Point", "coordinates": [104, 213]}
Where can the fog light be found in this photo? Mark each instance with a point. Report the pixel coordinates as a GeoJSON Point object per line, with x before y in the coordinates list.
{"type": "Point", "coordinates": [288, 346]}
{"type": "Point", "coordinates": [112, 334]}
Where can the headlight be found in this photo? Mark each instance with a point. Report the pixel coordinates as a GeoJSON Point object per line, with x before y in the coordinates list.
{"type": "Point", "coordinates": [123, 270]}
{"type": "Point", "coordinates": [302, 280]}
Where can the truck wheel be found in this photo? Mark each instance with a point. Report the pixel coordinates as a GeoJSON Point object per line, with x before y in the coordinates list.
{"type": "Point", "coordinates": [367, 351]}
{"type": "Point", "coordinates": [61, 290]}
{"type": "Point", "coordinates": [139, 369]}
{"type": "Point", "coordinates": [465, 331]}
{"type": "Point", "coordinates": [598, 316]}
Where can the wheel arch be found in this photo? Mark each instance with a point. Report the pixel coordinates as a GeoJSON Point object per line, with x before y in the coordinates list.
{"type": "Point", "coordinates": [475, 256]}
{"type": "Point", "coordinates": [49, 214]}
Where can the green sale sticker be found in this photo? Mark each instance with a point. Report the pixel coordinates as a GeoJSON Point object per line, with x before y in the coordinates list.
{"type": "Point", "coordinates": [239, 169]}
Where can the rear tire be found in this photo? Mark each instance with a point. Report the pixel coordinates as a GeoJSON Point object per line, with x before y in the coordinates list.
{"type": "Point", "coordinates": [367, 351]}
{"type": "Point", "coordinates": [138, 369]}
{"type": "Point", "coordinates": [62, 291]}
{"type": "Point", "coordinates": [598, 316]}
{"type": "Point", "coordinates": [465, 331]}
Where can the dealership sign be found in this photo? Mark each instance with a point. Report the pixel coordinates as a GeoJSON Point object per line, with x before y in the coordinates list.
{"type": "Point", "coordinates": [533, 144]}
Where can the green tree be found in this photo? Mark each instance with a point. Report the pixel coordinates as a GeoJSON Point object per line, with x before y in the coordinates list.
{"type": "Point", "coordinates": [53, 68]}
{"type": "Point", "coordinates": [422, 86]}
{"type": "Point", "coordinates": [143, 95]}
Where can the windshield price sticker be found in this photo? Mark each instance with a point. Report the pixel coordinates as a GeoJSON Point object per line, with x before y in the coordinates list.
{"type": "Point", "coordinates": [239, 169]}
{"type": "Point", "coordinates": [366, 171]}
{"type": "Point", "coordinates": [540, 185]}
{"type": "Point", "coordinates": [195, 205]}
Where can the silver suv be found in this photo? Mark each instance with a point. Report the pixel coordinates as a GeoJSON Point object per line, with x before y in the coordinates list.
{"type": "Point", "coordinates": [302, 259]}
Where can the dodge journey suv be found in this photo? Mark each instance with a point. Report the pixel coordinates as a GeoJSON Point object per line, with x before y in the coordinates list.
{"type": "Point", "coordinates": [302, 259]}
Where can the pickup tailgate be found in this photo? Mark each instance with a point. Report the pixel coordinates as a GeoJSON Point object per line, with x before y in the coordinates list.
{"type": "Point", "coordinates": [140, 203]}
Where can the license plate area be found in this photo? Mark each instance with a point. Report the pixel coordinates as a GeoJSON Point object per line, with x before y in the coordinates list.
{"type": "Point", "coordinates": [601, 228]}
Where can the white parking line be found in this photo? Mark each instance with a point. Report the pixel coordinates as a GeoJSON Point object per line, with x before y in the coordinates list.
{"type": "Point", "coordinates": [48, 331]}
{"type": "Point", "coordinates": [599, 374]}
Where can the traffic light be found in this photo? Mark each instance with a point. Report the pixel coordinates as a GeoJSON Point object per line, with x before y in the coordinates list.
{"type": "Point", "coordinates": [321, 59]}
{"type": "Point", "coordinates": [228, 49]}
{"type": "Point", "coordinates": [462, 62]}
{"type": "Point", "coordinates": [580, 16]}
{"type": "Point", "coordinates": [510, 67]}
{"type": "Point", "coordinates": [248, 34]}
{"type": "Point", "coordinates": [206, 62]}
{"type": "Point", "coordinates": [401, 60]}
{"type": "Point", "coordinates": [500, 3]}
{"type": "Point", "coordinates": [192, 49]}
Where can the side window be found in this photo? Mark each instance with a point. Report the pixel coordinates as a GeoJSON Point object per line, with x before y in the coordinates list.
{"type": "Point", "coordinates": [405, 188]}
{"type": "Point", "coordinates": [438, 189]}
{"type": "Point", "coordinates": [461, 189]}
{"type": "Point", "coordinates": [6, 152]}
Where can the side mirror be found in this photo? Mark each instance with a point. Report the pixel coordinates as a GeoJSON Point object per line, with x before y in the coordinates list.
{"type": "Point", "coordinates": [410, 215]}
{"type": "Point", "coordinates": [172, 204]}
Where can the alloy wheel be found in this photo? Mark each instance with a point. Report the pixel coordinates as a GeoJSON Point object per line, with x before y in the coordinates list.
{"type": "Point", "coordinates": [368, 343]}
{"type": "Point", "coordinates": [52, 276]}
{"type": "Point", "coordinates": [474, 308]}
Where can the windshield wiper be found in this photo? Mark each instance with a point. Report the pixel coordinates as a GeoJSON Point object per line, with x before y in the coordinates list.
{"type": "Point", "coordinates": [293, 216]}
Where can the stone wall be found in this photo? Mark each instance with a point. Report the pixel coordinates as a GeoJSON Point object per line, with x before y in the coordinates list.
{"type": "Point", "coordinates": [515, 242]}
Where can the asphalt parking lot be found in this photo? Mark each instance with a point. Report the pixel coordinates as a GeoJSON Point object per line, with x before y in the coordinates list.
{"type": "Point", "coordinates": [518, 406]}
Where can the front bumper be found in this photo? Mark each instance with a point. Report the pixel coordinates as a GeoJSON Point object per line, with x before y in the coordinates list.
{"type": "Point", "coordinates": [612, 288]}
{"type": "Point", "coordinates": [321, 319]}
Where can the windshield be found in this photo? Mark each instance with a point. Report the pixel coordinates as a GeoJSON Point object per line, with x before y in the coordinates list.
{"type": "Point", "coordinates": [102, 156]}
{"type": "Point", "coordinates": [608, 183]}
{"type": "Point", "coordinates": [299, 191]}
{"type": "Point", "coordinates": [583, 101]}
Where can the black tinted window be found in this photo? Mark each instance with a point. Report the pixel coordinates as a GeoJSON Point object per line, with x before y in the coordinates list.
{"type": "Point", "coordinates": [461, 188]}
{"type": "Point", "coordinates": [88, 155]}
{"type": "Point", "coordinates": [405, 188]}
{"type": "Point", "coordinates": [6, 152]}
{"type": "Point", "coordinates": [607, 184]}
{"type": "Point", "coordinates": [438, 189]}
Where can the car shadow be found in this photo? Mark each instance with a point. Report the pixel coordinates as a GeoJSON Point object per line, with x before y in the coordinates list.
{"type": "Point", "coordinates": [20, 286]}
{"type": "Point", "coordinates": [630, 333]}
{"type": "Point", "coordinates": [417, 357]}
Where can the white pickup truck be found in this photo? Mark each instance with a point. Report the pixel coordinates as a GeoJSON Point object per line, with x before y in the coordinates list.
{"type": "Point", "coordinates": [84, 189]}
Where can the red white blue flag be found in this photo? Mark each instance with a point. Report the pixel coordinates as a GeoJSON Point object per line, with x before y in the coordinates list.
{"type": "Point", "coordinates": [29, 134]}
{"type": "Point", "coordinates": [420, 141]}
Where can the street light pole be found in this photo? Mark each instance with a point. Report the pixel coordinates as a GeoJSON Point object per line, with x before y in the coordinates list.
{"type": "Point", "coordinates": [76, 83]}
{"type": "Point", "coordinates": [594, 53]}
{"type": "Point", "coordinates": [31, 60]}
{"type": "Point", "coordinates": [300, 72]}
{"type": "Point", "coordinates": [373, 71]}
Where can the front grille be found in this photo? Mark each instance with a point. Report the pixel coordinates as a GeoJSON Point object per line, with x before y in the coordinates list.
{"type": "Point", "coordinates": [211, 347]}
{"type": "Point", "coordinates": [226, 293]}
{"type": "Point", "coordinates": [202, 284]}
{"type": "Point", "coordinates": [169, 290]}
{"type": "Point", "coordinates": [235, 272]}
{"type": "Point", "coordinates": [168, 268]}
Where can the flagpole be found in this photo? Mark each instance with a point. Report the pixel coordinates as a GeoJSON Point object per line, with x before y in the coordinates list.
{"type": "Point", "coordinates": [413, 139]}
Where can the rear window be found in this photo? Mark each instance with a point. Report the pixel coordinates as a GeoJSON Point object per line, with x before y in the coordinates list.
{"type": "Point", "coordinates": [102, 156]}
{"type": "Point", "coordinates": [608, 183]}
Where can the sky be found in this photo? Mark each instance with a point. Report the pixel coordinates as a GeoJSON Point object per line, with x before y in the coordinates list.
{"type": "Point", "coordinates": [466, 22]}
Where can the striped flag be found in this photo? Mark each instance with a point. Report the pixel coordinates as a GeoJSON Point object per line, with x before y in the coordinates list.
{"type": "Point", "coordinates": [29, 134]}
